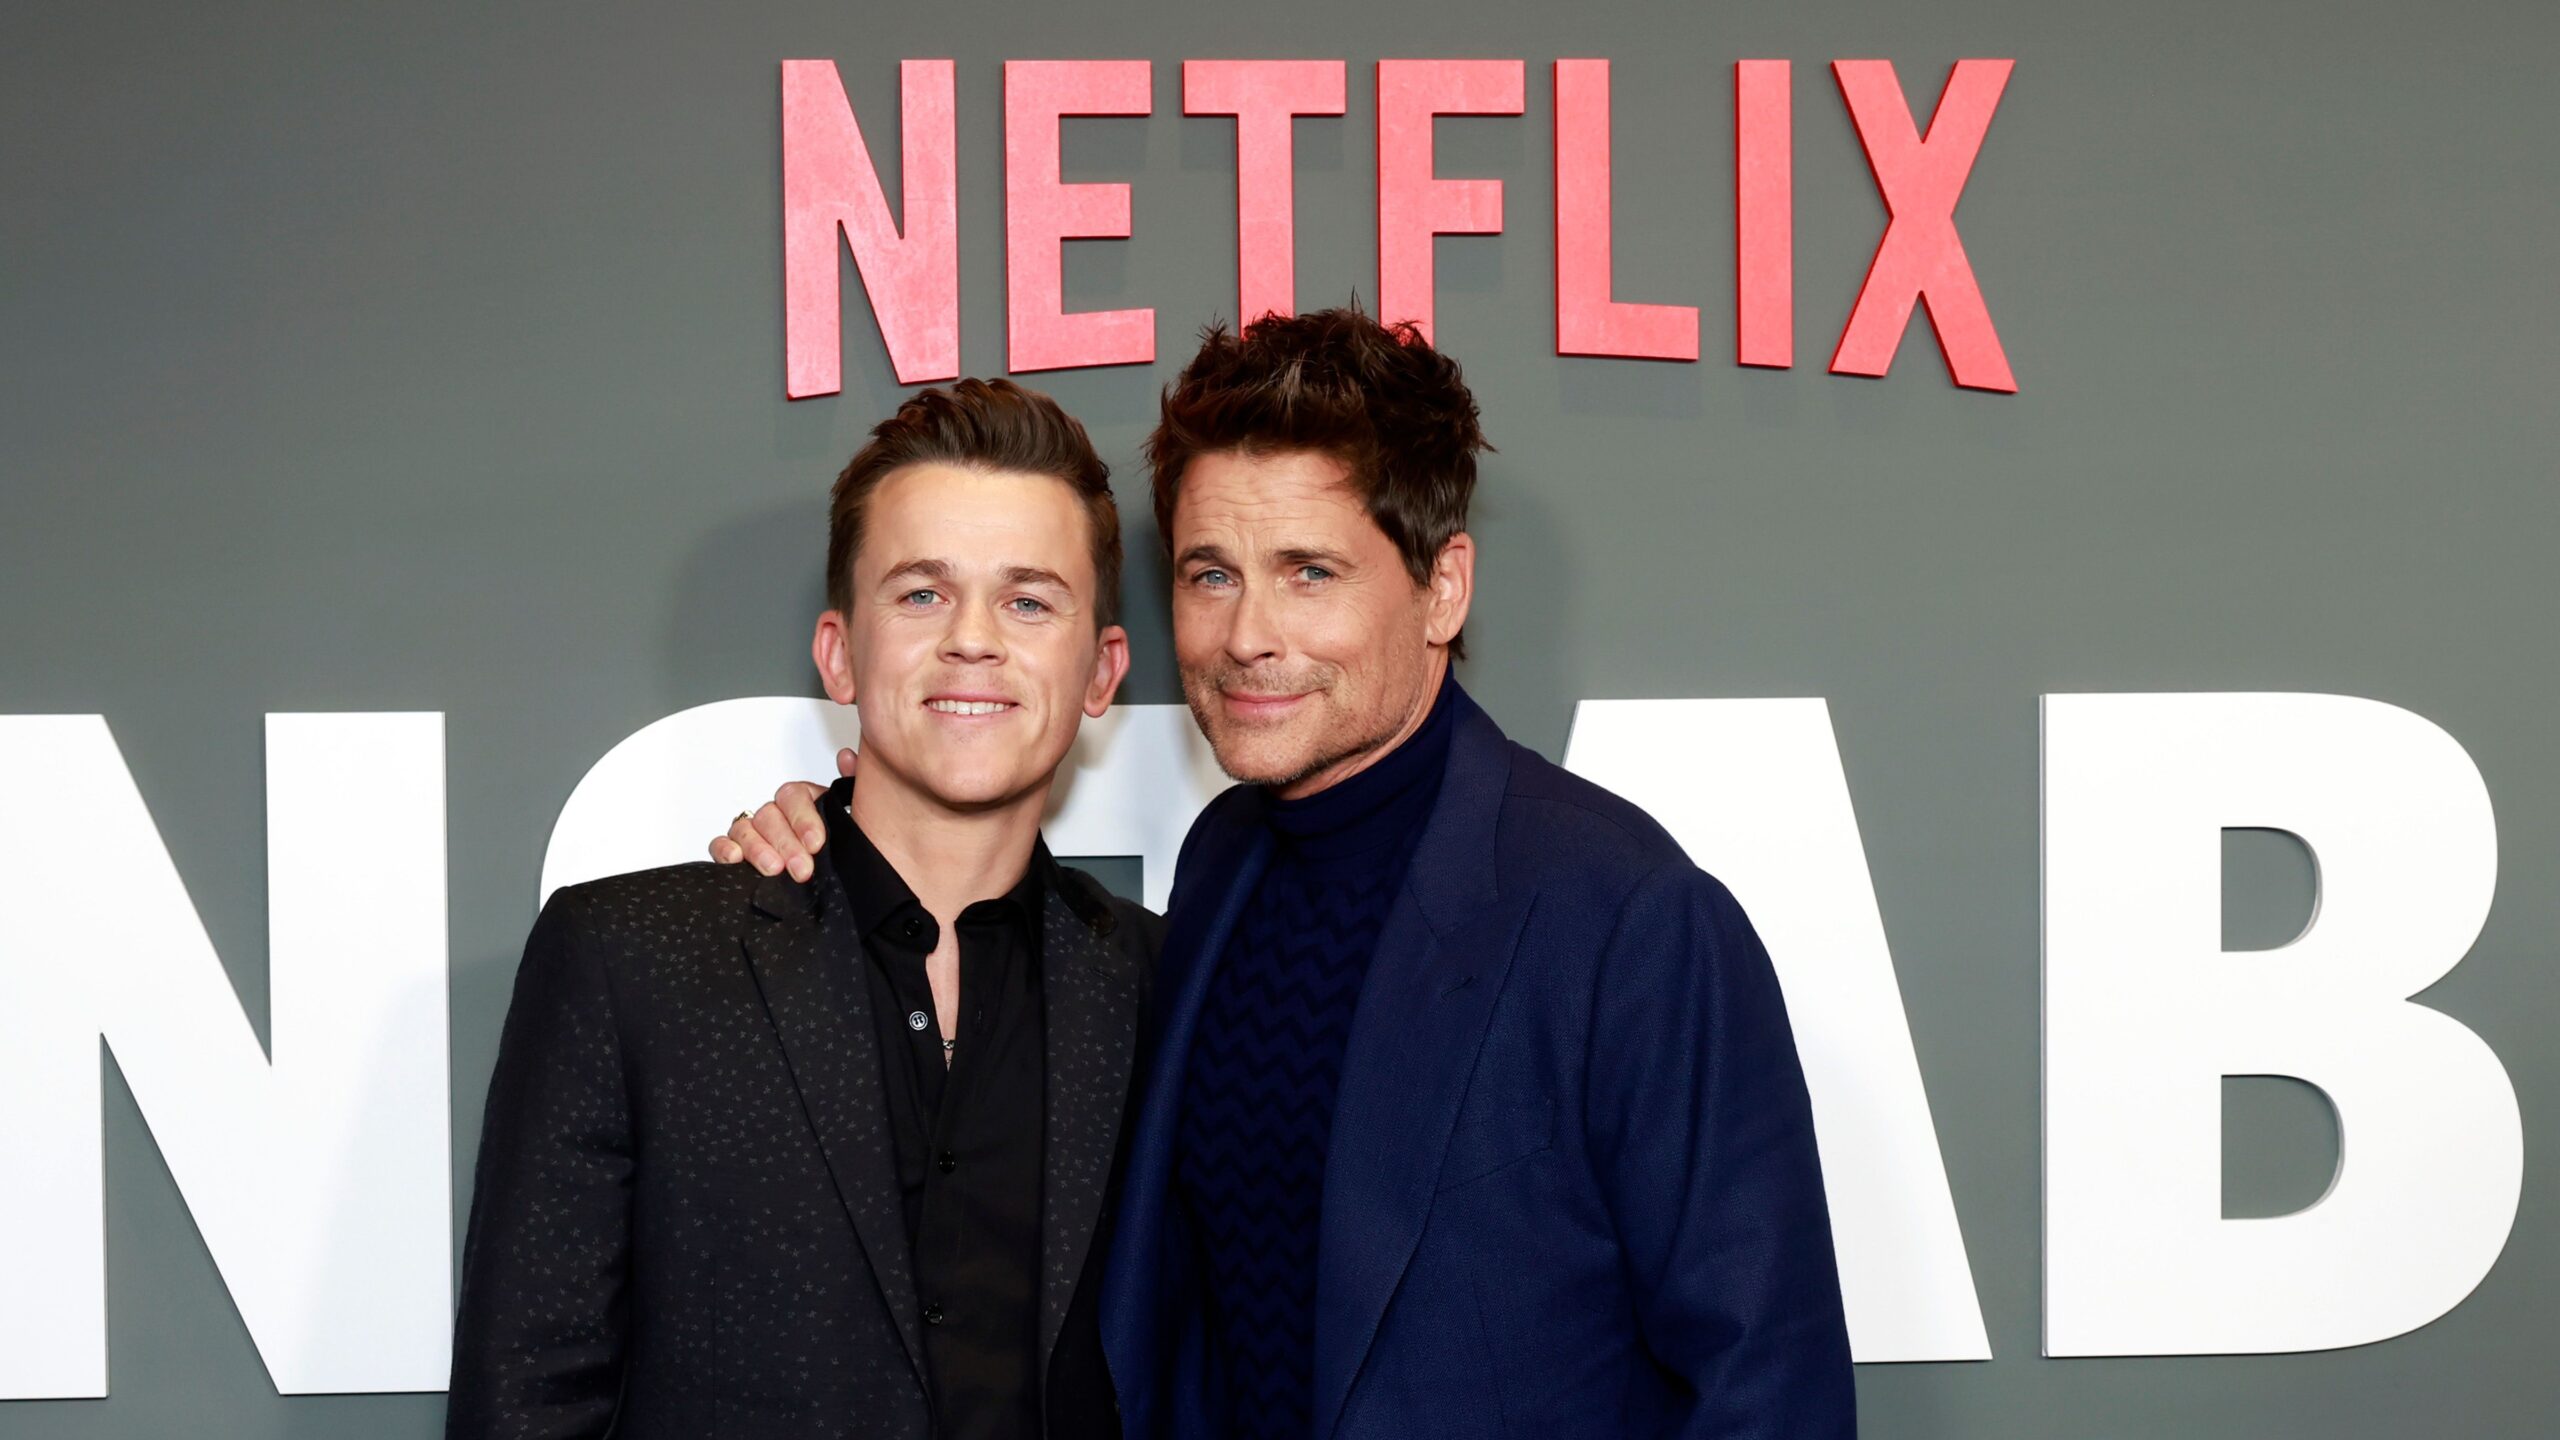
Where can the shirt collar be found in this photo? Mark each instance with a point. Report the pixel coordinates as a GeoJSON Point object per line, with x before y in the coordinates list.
{"type": "Point", "coordinates": [885, 905]}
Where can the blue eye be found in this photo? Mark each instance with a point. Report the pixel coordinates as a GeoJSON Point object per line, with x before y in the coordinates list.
{"type": "Point", "coordinates": [1025, 605]}
{"type": "Point", "coordinates": [914, 597]}
{"type": "Point", "coordinates": [1314, 573]}
{"type": "Point", "coordinates": [1212, 576]}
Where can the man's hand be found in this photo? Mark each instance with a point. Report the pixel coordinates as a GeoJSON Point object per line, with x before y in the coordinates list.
{"type": "Point", "coordinates": [786, 832]}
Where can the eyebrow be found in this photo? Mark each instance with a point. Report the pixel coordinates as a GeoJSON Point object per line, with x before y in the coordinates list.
{"type": "Point", "coordinates": [924, 567]}
{"type": "Point", "coordinates": [1034, 575]}
{"type": "Point", "coordinates": [943, 572]}
{"type": "Point", "coordinates": [1301, 555]}
{"type": "Point", "coordinates": [1286, 555]}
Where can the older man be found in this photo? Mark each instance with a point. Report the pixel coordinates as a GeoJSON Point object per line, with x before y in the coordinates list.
{"type": "Point", "coordinates": [1473, 1108]}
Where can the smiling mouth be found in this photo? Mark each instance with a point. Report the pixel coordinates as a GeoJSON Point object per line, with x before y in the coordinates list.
{"type": "Point", "coordinates": [969, 707]}
{"type": "Point", "coordinates": [1253, 704]}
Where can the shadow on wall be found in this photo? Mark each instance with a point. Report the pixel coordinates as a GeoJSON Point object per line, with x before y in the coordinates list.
{"type": "Point", "coordinates": [1616, 389]}
{"type": "Point", "coordinates": [743, 605]}
{"type": "Point", "coordinates": [1146, 603]}
{"type": "Point", "coordinates": [1522, 661]}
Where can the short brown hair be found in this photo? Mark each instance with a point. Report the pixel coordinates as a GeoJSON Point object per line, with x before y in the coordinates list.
{"type": "Point", "coordinates": [983, 425]}
{"type": "Point", "coordinates": [1377, 398]}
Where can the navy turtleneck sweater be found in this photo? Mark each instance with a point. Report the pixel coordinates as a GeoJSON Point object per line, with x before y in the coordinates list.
{"type": "Point", "coordinates": [1257, 1099]}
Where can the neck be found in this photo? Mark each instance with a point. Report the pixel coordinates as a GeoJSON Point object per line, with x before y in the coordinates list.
{"type": "Point", "coordinates": [1350, 765]}
{"type": "Point", "coordinates": [950, 858]}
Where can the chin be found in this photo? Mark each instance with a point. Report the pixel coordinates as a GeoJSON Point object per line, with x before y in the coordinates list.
{"type": "Point", "coordinates": [1266, 753]}
{"type": "Point", "coordinates": [977, 797]}
{"type": "Point", "coordinates": [972, 787]}
{"type": "Point", "coordinates": [1258, 759]}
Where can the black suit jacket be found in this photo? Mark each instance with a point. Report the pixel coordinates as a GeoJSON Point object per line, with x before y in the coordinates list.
{"type": "Point", "coordinates": [685, 1221]}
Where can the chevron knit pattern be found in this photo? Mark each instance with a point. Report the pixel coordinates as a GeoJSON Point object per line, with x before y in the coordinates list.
{"type": "Point", "coordinates": [1258, 1107]}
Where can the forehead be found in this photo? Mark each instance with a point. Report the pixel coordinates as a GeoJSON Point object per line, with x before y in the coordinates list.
{"type": "Point", "coordinates": [1281, 498]}
{"type": "Point", "coordinates": [974, 518]}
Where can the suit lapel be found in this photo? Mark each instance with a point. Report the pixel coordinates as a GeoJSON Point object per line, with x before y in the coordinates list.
{"type": "Point", "coordinates": [1090, 995]}
{"type": "Point", "coordinates": [806, 957]}
{"type": "Point", "coordinates": [1440, 964]}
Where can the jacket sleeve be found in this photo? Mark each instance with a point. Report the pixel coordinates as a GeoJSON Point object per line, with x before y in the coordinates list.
{"type": "Point", "coordinates": [539, 1342]}
{"type": "Point", "coordinates": [1702, 1136]}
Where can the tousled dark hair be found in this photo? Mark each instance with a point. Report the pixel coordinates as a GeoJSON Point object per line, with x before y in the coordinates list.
{"type": "Point", "coordinates": [983, 425]}
{"type": "Point", "coordinates": [1377, 398]}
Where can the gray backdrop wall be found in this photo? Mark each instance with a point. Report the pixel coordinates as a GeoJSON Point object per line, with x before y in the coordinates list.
{"type": "Point", "coordinates": [367, 359]}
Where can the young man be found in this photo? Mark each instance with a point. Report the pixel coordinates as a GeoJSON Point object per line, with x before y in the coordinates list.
{"type": "Point", "coordinates": [1473, 1108]}
{"type": "Point", "coordinates": [772, 1159]}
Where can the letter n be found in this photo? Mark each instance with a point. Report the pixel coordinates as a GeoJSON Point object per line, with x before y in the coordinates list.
{"type": "Point", "coordinates": [830, 187]}
{"type": "Point", "coordinates": [321, 1179]}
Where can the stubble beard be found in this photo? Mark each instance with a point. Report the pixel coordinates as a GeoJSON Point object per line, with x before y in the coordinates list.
{"type": "Point", "coordinates": [1201, 691]}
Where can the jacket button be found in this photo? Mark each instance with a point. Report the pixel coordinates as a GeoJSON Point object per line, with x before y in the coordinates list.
{"type": "Point", "coordinates": [933, 1314]}
{"type": "Point", "coordinates": [946, 1162]}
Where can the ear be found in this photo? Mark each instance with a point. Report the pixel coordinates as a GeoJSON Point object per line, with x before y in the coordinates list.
{"type": "Point", "coordinates": [1451, 589]}
{"type": "Point", "coordinates": [832, 649]}
{"type": "Point", "coordinates": [1110, 667]}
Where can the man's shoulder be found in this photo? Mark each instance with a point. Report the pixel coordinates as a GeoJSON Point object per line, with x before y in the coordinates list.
{"type": "Point", "coordinates": [1595, 858]}
{"type": "Point", "coordinates": [1230, 813]}
{"type": "Point", "coordinates": [669, 905]}
{"type": "Point", "coordinates": [1223, 830]}
{"type": "Point", "coordinates": [1126, 921]}
{"type": "Point", "coordinates": [1555, 819]}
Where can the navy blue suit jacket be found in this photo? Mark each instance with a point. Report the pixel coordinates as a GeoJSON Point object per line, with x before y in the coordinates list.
{"type": "Point", "coordinates": [1572, 1187]}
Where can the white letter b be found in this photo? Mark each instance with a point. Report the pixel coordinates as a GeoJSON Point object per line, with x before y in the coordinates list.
{"type": "Point", "coordinates": [2145, 1013]}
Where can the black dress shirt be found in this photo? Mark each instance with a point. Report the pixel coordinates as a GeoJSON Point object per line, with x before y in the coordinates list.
{"type": "Point", "coordinates": [967, 1137]}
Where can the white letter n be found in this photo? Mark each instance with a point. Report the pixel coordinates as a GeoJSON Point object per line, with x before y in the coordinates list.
{"type": "Point", "coordinates": [321, 1181]}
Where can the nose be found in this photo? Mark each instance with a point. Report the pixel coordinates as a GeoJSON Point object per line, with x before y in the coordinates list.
{"type": "Point", "coordinates": [974, 636]}
{"type": "Point", "coordinates": [1253, 627]}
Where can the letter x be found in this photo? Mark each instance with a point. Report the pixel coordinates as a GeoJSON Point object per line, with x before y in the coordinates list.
{"type": "Point", "coordinates": [1920, 257]}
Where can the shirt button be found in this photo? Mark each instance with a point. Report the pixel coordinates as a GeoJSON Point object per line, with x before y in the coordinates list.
{"type": "Point", "coordinates": [911, 927]}
{"type": "Point", "coordinates": [946, 1162]}
{"type": "Point", "coordinates": [933, 1314]}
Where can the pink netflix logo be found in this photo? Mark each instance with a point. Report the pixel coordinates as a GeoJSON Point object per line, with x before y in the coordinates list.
{"type": "Point", "coordinates": [912, 274]}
